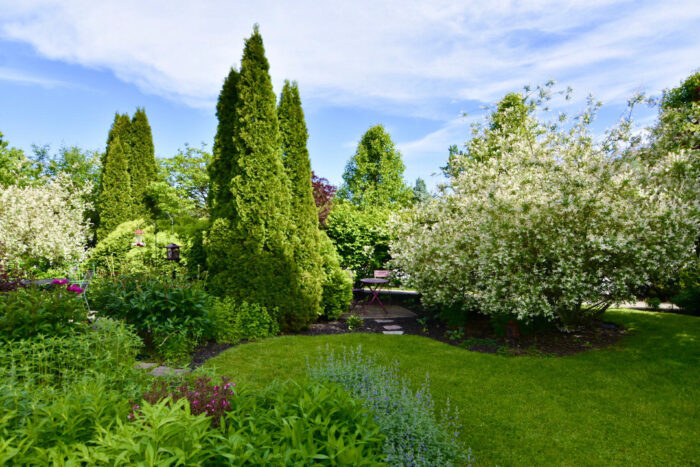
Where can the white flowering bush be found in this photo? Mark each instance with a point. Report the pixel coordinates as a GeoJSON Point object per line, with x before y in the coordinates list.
{"type": "Point", "coordinates": [547, 222]}
{"type": "Point", "coordinates": [44, 225]}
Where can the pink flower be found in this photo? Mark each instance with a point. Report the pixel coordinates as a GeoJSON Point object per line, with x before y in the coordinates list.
{"type": "Point", "coordinates": [59, 281]}
{"type": "Point", "coordinates": [75, 288]}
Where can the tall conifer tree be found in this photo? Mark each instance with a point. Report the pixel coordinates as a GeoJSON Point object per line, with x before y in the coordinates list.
{"type": "Point", "coordinates": [251, 248]}
{"type": "Point", "coordinates": [295, 157]}
{"type": "Point", "coordinates": [223, 154]}
{"type": "Point", "coordinates": [142, 160]}
{"type": "Point", "coordinates": [114, 199]}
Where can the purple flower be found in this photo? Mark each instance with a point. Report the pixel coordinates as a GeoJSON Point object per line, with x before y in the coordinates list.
{"type": "Point", "coordinates": [59, 281]}
{"type": "Point", "coordinates": [75, 288]}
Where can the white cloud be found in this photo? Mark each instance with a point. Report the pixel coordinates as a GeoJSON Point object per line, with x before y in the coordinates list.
{"type": "Point", "coordinates": [364, 52]}
{"type": "Point", "coordinates": [20, 77]}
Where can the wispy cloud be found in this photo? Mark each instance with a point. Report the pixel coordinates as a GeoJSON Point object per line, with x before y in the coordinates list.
{"type": "Point", "coordinates": [20, 77]}
{"type": "Point", "coordinates": [359, 53]}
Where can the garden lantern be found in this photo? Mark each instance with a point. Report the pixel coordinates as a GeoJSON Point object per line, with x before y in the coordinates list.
{"type": "Point", "coordinates": [138, 238]}
{"type": "Point", "coordinates": [173, 252]}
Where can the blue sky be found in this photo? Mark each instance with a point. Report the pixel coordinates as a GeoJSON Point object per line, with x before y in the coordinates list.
{"type": "Point", "coordinates": [66, 67]}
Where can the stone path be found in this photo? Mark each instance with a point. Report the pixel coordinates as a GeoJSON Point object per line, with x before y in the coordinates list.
{"type": "Point", "coordinates": [391, 329]}
{"type": "Point", "coordinates": [161, 370]}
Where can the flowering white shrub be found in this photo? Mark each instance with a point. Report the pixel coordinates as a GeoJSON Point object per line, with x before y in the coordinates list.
{"type": "Point", "coordinates": [548, 224]}
{"type": "Point", "coordinates": [44, 225]}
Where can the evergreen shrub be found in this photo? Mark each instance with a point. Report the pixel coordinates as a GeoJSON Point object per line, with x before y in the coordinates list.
{"type": "Point", "coordinates": [233, 322]}
{"type": "Point", "coordinates": [337, 283]}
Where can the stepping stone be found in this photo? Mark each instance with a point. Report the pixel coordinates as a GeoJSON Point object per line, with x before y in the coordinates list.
{"type": "Point", "coordinates": [166, 370]}
{"type": "Point", "coordinates": [144, 365]}
{"type": "Point", "coordinates": [392, 327]}
{"type": "Point", "coordinates": [382, 321]}
{"type": "Point", "coordinates": [397, 333]}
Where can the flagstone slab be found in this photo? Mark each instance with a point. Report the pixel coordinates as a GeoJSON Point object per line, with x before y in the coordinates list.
{"type": "Point", "coordinates": [396, 333]}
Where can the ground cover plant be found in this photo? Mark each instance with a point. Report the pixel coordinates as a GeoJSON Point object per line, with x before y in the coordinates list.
{"type": "Point", "coordinates": [634, 403]}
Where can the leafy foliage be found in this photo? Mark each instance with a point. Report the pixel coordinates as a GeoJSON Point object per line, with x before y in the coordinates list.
{"type": "Point", "coordinates": [361, 236]}
{"type": "Point", "coordinates": [117, 252]}
{"type": "Point", "coordinates": [233, 322]}
{"type": "Point", "coordinates": [420, 191]}
{"type": "Point", "coordinates": [114, 203]}
{"type": "Point", "coordinates": [169, 314]}
{"type": "Point", "coordinates": [323, 197]}
{"type": "Point", "coordinates": [29, 311]}
{"type": "Point", "coordinates": [142, 160]}
{"type": "Point", "coordinates": [545, 222]}
{"type": "Point", "coordinates": [44, 225]}
{"type": "Point", "coordinates": [186, 172]}
{"type": "Point", "coordinates": [252, 251]}
{"type": "Point", "coordinates": [15, 167]}
{"type": "Point", "coordinates": [415, 435]}
{"type": "Point", "coordinates": [374, 175]}
{"type": "Point", "coordinates": [337, 283]}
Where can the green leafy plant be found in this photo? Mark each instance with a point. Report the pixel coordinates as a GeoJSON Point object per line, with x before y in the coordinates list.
{"type": "Point", "coordinates": [354, 322]}
{"type": "Point", "coordinates": [233, 322]}
{"type": "Point", "coordinates": [455, 334]}
{"type": "Point", "coordinates": [57, 311]}
{"type": "Point", "coordinates": [415, 434]}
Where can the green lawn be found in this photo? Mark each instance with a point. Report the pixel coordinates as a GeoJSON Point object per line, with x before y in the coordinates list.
{"type": "Point", "coordinates": [635, 404]}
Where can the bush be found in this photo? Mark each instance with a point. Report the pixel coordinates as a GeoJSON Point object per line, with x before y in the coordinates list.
{"type": "Point", "coordinates": [414, 434]}
{"type": "Point", "coordinates": [361, 236]}
{"type": "Point", "coordinates": [27, 312]}
{"type": "Point", "coordinates": [540, 220]}
{"type": "Point", "coordinates": [337, 284]}
{"type": "Point", "coordinates": [233, 322]}
{"type": "Point", "coordinates": [688, 296]}
{"type": "Point", "coordinates": [116, 251]}
{"type": "Point", "coordinates": [169, 314]}
{"type": "Point", "coordinates": [288, 424]}
{"type": "Point", "coordinates": [44, 226]}
{"type": "Point", "coordinates": [109, 347]}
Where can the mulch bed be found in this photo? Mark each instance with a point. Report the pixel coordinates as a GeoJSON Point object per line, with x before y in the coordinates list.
{"type": "Point", "coordinates": [479, 336]}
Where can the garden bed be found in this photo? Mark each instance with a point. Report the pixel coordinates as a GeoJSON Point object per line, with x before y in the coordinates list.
{"type": "Point", "coordinates": [479, 336]}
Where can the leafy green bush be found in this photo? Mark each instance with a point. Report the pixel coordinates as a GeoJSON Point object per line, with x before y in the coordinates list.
{"type": "Point", "coordinates": [688, 296]}
{"type": "Point", "coordinates": [169, 314]}
{"type": "Point", "coordinates": [288, 424]}
{"type": "Point", "coordinates": [58, 392]}
{"type": "Point", "coordinates": [415, 436]}
{"type": "Point", "coordinates": [337, 284]}
{"type": "Point", "coordinates": [233, 322]}
{"type": "Point", "coordinates": [26, 312]}
{"type": "Point", "coordinates": [361, 236]}
{"type": "Point", "coordinates": [109, 347]}
{"type": "Point", "coordinates": [117, 252]}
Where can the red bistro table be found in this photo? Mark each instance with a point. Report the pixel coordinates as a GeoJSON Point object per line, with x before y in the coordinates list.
{"type": "Point", "coordinates": [374, 285]}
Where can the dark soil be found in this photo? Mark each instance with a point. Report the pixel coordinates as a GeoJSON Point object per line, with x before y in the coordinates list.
{"type": "Point", "coordinates": [204, 352]}
{"type": "Point", "coordinates": [479, 336]}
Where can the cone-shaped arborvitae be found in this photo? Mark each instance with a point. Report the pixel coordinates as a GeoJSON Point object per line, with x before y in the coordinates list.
{"type": "Point", "coordinates": [142, 161]}
{"type": "Point", "coordinates": [114, 200]}
{"type": "Point", "coordinates": [251, 249]}
{"type": "Point", "coordinates": [317, 262]}
{"type": "Point", "coordinates": [219, 198]}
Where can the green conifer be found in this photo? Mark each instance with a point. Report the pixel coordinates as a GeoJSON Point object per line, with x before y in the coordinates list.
{"type": "Point", "coordinates": [142, 160]}
{"type": "Point", "coordinates": [251, 249]}
{"type": "Point", "coordinates": [219, 198]}
{"type": "Point", "coordinates": [114, 199]}
{"type": "Point", "coordinates": [321, 265]}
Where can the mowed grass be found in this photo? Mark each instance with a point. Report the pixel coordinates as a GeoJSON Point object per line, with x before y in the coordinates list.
{"type": "Point", "coordinates": [637, 403]}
